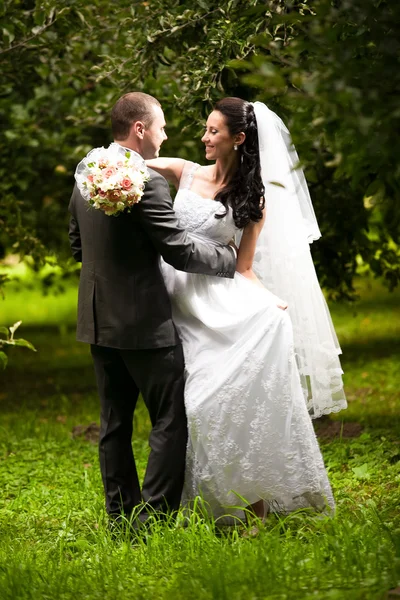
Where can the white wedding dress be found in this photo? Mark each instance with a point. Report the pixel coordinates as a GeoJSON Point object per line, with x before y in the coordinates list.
{"type": "Point", "coordinates": [250, 434]}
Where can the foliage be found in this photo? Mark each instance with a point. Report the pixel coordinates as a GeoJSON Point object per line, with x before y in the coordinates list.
{"type": "Point", "coordinates": [329, 68]}
{"type": "Point", "coordinates": [332, 69]}
{"type": "Point", "coordinates": [9, 340]}
{"type": "Point", "coordinates": [46, 55]}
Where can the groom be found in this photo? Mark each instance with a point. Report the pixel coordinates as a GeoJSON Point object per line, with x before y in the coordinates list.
{"type": "Point", "coordinates": [124, 313]}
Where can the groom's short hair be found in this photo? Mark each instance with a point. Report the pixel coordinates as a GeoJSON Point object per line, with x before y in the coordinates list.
{"type": "Point", "coordinates": [132, 107]}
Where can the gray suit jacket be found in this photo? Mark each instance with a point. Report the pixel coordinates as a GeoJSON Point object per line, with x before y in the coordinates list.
{"type": "Point", "coordinates": [123, 302]}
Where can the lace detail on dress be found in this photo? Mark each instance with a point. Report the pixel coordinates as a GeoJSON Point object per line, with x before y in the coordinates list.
{"type": "Point", "coordinates": [188, 171]}
{"type": "Point", "coordinates": [197, 214]}
{"type": "Point", "coordinates": [251, 437]}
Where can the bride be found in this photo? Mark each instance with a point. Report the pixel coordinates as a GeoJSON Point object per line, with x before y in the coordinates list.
{"type": "Point", "coordinates": [254, 371]}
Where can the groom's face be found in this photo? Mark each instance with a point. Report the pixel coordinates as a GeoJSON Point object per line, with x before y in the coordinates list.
{"type": "Point", "coordinates": [154, 135]}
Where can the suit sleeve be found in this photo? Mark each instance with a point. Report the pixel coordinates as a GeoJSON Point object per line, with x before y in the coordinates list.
{"type": "Point", "coordinates": [158, 218]}
{"type": "Point", "coordinates": [74, 234]}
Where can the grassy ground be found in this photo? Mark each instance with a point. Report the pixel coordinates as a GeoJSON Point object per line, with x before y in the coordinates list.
{"type": "Point", "coordinates": [53, 540]}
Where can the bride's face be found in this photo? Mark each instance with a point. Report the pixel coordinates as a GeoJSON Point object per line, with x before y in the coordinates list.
{"type": "Point", "coordinates": [217, 138]}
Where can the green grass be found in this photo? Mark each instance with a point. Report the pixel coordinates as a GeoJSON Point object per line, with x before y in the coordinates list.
{"type": "Point", "coordinates": [24, 300]}
{"type": "Point", "coordinates": [54, 542]}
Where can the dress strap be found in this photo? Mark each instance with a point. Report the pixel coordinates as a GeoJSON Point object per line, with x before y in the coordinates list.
{"type": "Point", "coordinates": [188, 171]}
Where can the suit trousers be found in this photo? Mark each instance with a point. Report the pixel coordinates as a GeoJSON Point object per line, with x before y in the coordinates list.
{"type": "Point", "coordinates": [159, 375]}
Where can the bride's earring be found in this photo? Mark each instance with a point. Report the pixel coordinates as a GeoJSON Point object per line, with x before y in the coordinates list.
{"type": "Point", "coordinates": [235, 147]}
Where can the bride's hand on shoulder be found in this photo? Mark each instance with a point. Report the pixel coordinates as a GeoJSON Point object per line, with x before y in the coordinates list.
{"type": "Point", "coordinates": [170, 168]}
{"type": "Point", "coordinates": [282, 304]}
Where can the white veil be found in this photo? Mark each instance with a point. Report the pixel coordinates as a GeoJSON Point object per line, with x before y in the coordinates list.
{"type": "Point", "coordinates": [284, 264]}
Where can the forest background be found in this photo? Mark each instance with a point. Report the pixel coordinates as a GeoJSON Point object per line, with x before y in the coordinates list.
{"type": "Point", "coordinates": [329, 68]}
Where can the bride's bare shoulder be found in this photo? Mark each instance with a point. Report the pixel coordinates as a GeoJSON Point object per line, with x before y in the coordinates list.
{"type": "Point", "coordinates": [205, 173]}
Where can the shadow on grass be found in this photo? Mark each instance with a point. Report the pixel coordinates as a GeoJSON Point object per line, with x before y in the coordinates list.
{"type": "Point", "coordinates": [56, 382]}
{"type": "Point", "coordinates": [371, 349]}
{"type": "Point", "coordinates": [59, 373]}
{"type": "Point", "coordinates": [60, 377]}
{"type": "Point", "coordinates": [347, 428]}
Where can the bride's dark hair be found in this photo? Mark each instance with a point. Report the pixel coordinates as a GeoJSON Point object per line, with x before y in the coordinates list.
{"type": "Point", "coordinates": [245, 190]}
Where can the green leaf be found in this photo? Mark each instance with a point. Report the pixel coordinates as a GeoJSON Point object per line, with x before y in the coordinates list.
{"type": "Point", "coordinates": [38, 29]}
{"type": "Point", "coordinates": [14, 328]}
{"type": "Point", "coordinates": [25, 344]}
{"type": "Point", "coordinates": [9, 32]}
{"type": "Point", "coordinates": [277, 184]}
{"type": "Point", "coordinates": [362, 472]}
{"type": "Point", "coordinates": [4, 331]}
{"type": "Point", "coordinates": [80, 15]}
{"type": "Point", "coordinates": [238, 64]}
{"type": "Point", "coordinates": [3, 360]}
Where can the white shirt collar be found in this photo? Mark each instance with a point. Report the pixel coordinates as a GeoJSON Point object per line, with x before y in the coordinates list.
{"type": "Point", "coordinates": [137, 156]}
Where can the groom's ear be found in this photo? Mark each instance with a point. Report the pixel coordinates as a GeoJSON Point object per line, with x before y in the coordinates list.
{"type": "Point", "coordinates": [138, 129]}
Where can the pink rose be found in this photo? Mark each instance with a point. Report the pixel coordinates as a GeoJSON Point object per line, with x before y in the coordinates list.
{"type": "Point", "coordinates": [126, 183]}
{"type": "Point", "coordinates": [102, 194]}
{"type": "Point", "coordinates": [90, 178]}
{"type": "Point", "coordinates": [109, 172]}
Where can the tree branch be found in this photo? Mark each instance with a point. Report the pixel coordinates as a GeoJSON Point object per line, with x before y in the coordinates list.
{"type": "Point", "coordinates": [36, 35]}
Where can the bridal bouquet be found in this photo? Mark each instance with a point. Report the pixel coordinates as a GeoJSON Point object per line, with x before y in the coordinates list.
{"type": "Point", "coordinates": [112, 179]}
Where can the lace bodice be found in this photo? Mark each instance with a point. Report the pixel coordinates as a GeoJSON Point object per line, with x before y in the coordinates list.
{"type": "Point", "coordinates": [197, 214]}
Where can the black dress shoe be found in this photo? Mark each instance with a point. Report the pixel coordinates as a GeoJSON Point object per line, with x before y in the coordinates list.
{"type": "Point", "coordinates": [119, 525]}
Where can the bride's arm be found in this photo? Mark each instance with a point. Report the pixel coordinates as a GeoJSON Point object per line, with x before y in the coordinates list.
{"type": "Point", "coordinates": [247, 249]}
{"type": "Point", "coordinates": [170, 168]}
{"type": "Point", "coordinates": [246, 253]}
